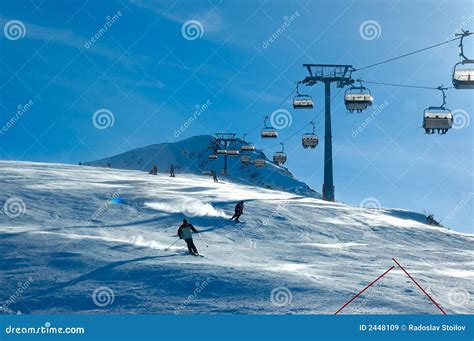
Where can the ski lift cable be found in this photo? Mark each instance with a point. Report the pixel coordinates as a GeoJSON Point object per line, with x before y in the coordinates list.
{"type": "Point", "coordinates": [408, 54]}
{"type": "Point", "coordinates": [406, 85]}
{"type": "Point", "coordinates": [303, 127]}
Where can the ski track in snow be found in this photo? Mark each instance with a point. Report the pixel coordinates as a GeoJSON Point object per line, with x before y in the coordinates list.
{"type": "Point", "coordinates": [72, 240]}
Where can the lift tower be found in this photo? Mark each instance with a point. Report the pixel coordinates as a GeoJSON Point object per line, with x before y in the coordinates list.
{"type": "Point", "coordinates": [327, 74]}
{"type": "Point", "coordinates": [226, 138]}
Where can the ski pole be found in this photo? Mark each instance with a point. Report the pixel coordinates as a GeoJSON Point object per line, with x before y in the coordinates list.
{"type": "Point", "coordinates": [172, 244]}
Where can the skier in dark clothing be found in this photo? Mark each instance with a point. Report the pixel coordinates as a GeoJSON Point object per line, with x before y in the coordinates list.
{"type": "Point", "coordinates": [185, 232]}
{"type": "Point", "coordinates": [172, 171]}
{"type": "Point", "coordinates": [214, 176]}
{"type": "Point", "coordinates": [154, 170]}
{"type": "Point", "coordinates": [239, 209]}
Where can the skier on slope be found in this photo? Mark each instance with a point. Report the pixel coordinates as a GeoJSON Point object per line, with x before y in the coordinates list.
{"type": "Point", "coordinates": [185, 232]}
{"type": "Point", "coordinates": [214, 176]}
{"type": "Point", "coordinates": [239, 209]}
{"type": "Point", "coordinates": [172, 171]}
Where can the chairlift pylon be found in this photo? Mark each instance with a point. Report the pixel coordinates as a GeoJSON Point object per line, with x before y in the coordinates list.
{"type": "Point", "coordinates": [301, 101]}
{"type": "Point", "coordinates": [358, 98]}
{"type": "Point", "coordinates": [463, 78]}
{"type": "Point", "coordinates": [438, 119]}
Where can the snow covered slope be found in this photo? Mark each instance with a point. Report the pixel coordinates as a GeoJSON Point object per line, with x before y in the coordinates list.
{"type": "Point", "coordinates": [191, 156]}
{"type": "Point", "coordinates": [70, 248]}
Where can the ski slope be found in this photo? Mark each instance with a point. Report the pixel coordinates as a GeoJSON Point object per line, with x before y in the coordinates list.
{"type": "Point", "coordinates": [81, 252]}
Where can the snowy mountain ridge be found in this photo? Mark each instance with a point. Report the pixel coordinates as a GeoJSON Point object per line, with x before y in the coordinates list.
{"type": "Point", "coordinates": [192, 156]}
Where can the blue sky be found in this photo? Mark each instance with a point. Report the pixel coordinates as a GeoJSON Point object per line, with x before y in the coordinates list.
{"type": "Point", "coordinates": [150, 77]}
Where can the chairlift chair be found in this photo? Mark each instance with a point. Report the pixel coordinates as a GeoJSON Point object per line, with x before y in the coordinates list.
{"type": "Point", "coordinates": [213, 157]}
{"type": "Point", "coordinates": [310, 140]}
{"type": "Point", "coordinates": [268, 131]}
{"type": "Point", "coordinates": [222, 151]}
{"type": "Point", "coordinates": [259, 163]}
{"type": "Point", "coordinates": [280, 157]}
{"type": "Point", "coordinates": [358, 98]}
{"type": "Point", "coordinates": [463, 76]}
{"type": "Point", "coordinates": [232, 152]}
{"type": "Point", "coordinates": [301, 101]}
{"type": "Point", "coordinates": [245, 159]}
{"type": "Point", "coordinates": [247, 147]}
{"type": "Point", "coordinates": [438, 119]}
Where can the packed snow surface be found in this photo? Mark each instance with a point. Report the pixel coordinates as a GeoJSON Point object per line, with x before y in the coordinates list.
{"type": "Point", "coordinates": [81, 239]}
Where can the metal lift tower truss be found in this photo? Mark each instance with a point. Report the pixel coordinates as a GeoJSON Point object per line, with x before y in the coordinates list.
{"type": "Point", "coordinates": [225, 138]}
{"type": "Point", "coordinates": [327, 74]}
